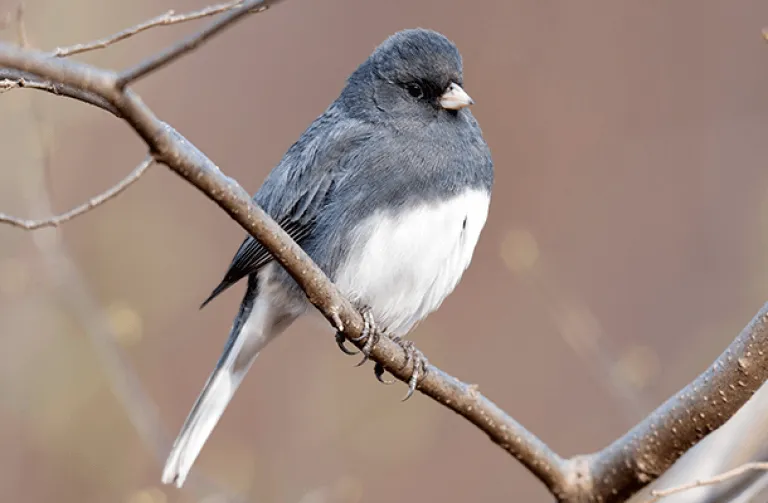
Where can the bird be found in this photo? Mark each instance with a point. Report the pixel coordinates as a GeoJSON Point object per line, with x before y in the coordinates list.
{"type": "Point", "coordinates": [387, 191]}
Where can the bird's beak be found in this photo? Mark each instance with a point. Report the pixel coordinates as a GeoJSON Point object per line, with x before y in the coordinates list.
{"type": "Point", "coordinates": [455, 98]}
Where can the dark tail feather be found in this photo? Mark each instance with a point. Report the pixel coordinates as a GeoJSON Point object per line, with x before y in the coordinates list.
{"type": "Point", "coordinates": [226, 283]}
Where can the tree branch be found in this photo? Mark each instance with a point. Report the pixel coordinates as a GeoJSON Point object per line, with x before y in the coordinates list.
{"type": "Point", "coordinates": [609, 475]}
{"type": "Point", "coordinates": [756, 466]}
{"type": "Point", "coordinates": [69, 284]}
{"type": "Point", "coordinates": [193, 42]}
{"type": "Point", "coordinates": [15, 79]}
{"type": "Point", "coordinates": [651, 447]}
{"type": "Point", "coordinates": [87, 206]}
{"type": "Point", "coordinates": [167, 19]}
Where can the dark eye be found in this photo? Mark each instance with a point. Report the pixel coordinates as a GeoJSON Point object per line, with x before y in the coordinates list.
{"type": "Point", "coordinates": [414, 90]}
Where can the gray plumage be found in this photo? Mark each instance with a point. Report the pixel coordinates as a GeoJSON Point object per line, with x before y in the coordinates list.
{"type": "Point", "coordinates": [387, 191]}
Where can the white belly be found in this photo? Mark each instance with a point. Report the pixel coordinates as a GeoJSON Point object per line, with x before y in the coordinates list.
{"type": "Point", "coordinates": [404, 265]}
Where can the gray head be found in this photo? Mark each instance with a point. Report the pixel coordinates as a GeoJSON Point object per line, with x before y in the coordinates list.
{"type": "Point", "coordinates": [414, 75]}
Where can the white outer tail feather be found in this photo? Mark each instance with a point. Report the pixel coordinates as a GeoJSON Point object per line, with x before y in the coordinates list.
{"type": "Point", "coordinates": [271, 313]}
{"type": "Point", "coordinates": [215, 397]}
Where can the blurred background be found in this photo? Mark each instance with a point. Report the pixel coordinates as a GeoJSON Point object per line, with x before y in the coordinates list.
{"type": "Point", "coordinates": [627, 244]}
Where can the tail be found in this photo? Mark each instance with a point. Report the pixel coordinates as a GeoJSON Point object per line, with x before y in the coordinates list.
{"type": "Point", "coordinates": [253, 328]}
{"type": "Point", "coordinates": [205, 414]}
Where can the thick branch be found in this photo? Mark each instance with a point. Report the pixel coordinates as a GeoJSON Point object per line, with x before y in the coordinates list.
{"type": "Point", "coordinates": [609, 475]}
{"type": "Point", "coordinates": [697, 410]}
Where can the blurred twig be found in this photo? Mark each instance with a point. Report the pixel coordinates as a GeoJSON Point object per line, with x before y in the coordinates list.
{"type": "Point", "coordinates": [141, 410]}
{"type": "Point", "coordinates": [741, 440]}
{"type": "Point", "coordinates": [21, 27]}
{"type": "Point", "coordinates": [5, 20]}
{"type": "Point", "coordinates": [169, 18]}
{"type": "Point", "coordinates": [92, 203]}
{"type": "Point", "coordinates": [718, 479]}
{"type": "Point", "coordinates": [67, 278]}
{"type": "Point", "coordinates": [580, 329]}
{"type": "Point", "coordinates": [609, 475]}
{"type": "Point", "coordinates": [64, 273]}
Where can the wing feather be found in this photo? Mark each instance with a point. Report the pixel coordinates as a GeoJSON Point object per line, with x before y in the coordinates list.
{"type": "Point", "coordinates": [298, 188]}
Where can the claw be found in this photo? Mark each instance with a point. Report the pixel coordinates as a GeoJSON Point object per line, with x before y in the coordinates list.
{"type": "Point", "coordinates": [337, 323]}
{"type": "Point", "coordinates": [341, 342]}
{"type": "Point", "coordinates": [412, 382]}
{"type": "Point", "coordinates": [378, 371]}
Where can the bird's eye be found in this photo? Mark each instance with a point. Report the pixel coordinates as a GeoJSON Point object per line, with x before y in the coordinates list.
{"type": "Point", "coordinates": [414, 90]}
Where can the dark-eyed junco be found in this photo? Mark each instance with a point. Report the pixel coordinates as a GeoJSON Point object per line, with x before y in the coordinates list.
{"type": "Point", "coordinates": [387, 191]}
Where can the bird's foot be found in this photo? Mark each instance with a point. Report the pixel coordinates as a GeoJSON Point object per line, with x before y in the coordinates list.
{"type": "Point", "coordinates": [413, 357]}
{"type": "Point", "coordinates": [419, 362]}
{"type": "Point", "coordinates": [369, 334]}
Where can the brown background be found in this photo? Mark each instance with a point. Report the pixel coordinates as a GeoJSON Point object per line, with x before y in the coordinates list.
{"type": "Point", "coordinates": [626, 246]}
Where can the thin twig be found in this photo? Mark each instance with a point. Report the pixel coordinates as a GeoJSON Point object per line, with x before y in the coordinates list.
{"type": "Point", "coordinates": [191, 43]}
{"type": "Point", "coordinates": [586, 338]}
{"type": "Point", "coordinates": [717, 479]}
{"type": "Point", "coordinates": [67, 277]}
{"type": "Point", "coordinates": [92, 203]}
{"type": "Point", "coordinates": [169, 18]}
{"type": "Point", "coordinates": [63, 273]}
